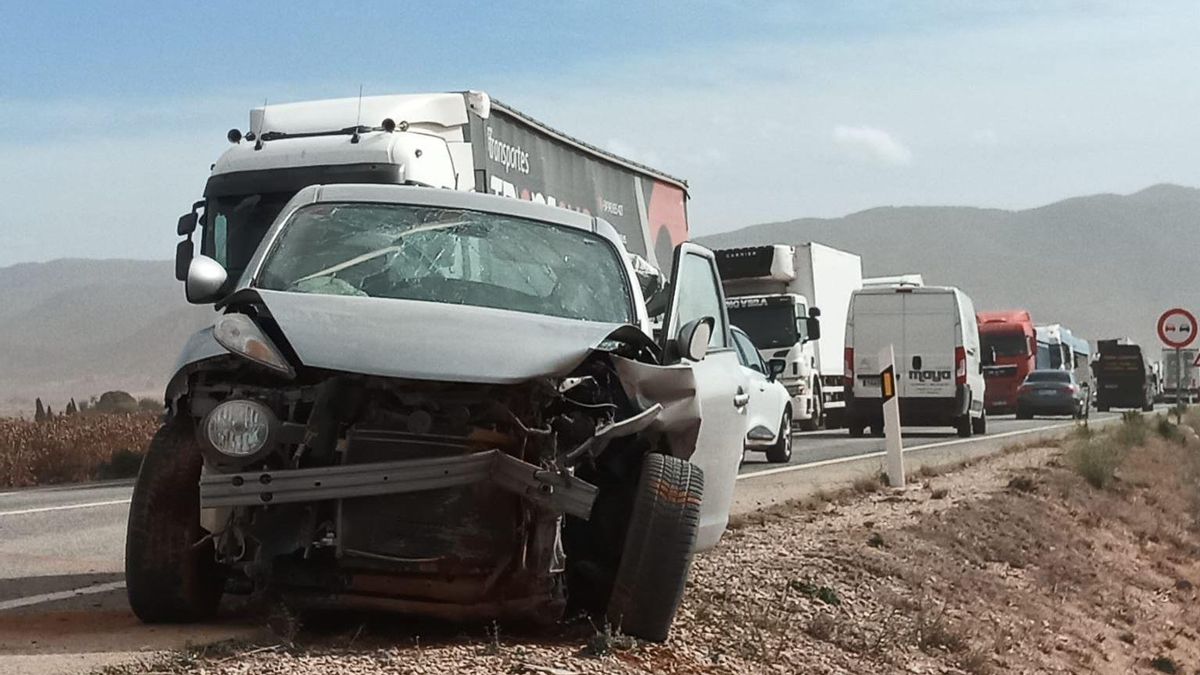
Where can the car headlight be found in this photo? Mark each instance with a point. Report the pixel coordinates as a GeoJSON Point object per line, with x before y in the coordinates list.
{"type": "Point", "coordinates": [239, 429]}
{"type": "Point", "coordinates": [239, 334]}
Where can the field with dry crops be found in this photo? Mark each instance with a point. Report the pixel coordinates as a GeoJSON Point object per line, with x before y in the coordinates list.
{"type": "Point", "coordinates": [69, 449]}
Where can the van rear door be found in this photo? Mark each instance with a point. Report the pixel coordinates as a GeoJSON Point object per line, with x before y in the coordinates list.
{"type": "Point", "coordinates": [926, 367]}
{"type": "Point", "coordinates": [878, 320]}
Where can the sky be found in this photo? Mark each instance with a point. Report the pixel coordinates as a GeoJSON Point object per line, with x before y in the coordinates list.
{"type": "Point", "coordinates": [111, 113]}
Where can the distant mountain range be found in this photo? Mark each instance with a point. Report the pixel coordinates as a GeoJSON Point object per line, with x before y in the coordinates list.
{"type": "Point", "coordinates": [77, 328]}
{"type": "Point", "coordinates": [1103, 265]}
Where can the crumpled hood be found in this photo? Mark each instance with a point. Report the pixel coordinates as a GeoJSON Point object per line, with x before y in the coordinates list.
{"type": "Point", "coordinates": [430, 341]}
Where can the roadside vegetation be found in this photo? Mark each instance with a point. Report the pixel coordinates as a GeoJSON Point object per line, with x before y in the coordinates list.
{"type": "Point", "coordinates": [1079, 556]}
{"type": "Point", "coordinates": [100, 438]}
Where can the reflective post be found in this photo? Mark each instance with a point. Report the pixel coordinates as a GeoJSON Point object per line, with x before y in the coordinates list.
{"type": "Point", "coordinates": [891, 417]}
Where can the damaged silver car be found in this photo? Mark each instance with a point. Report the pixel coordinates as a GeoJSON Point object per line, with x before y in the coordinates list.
{"type": "Point", "coordinates": [444, 404]}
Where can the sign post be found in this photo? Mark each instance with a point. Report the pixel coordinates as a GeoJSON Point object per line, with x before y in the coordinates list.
{"type": "Point", "coordinates": [891, 417]}
{"type": "Point", "coordinates": [1177, 329]}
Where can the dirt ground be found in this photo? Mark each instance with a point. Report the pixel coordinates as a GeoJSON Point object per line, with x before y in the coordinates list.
{"type": "Point", "coordinates": [1013, 565]}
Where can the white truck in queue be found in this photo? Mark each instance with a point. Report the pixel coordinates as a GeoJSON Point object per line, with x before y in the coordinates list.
{"type": "Point", "coordinates": [791, 301]}
{"type": "Point", "coordinates": [939, 373]}
{"type": "Point", "coordinates": [426, 399]}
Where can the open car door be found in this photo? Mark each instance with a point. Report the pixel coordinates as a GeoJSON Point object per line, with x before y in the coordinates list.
{"type": "Point", "coordinates": [722, 388]}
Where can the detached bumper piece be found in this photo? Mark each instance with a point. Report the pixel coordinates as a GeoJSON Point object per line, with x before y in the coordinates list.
{"type": "Point", "coordinates": [550, 490]}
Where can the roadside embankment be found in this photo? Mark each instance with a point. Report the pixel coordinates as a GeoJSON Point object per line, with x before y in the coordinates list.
{"type": "Point", "coordinates": [1078, 558]}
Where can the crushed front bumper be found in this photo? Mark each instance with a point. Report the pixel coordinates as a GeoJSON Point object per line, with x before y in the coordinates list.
{"type": "Point", "coordinates": [554, 491]}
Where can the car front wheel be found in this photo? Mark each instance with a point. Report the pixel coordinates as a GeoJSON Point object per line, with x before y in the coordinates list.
{"type": "Point", "coordinates": [171, 574]}
{"type": "Point", "coordinates": [781, 452]}
{"type": "Point", "coordinates": [657, 555]}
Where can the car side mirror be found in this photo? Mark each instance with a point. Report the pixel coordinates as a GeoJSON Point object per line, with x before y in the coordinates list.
{"type": "Point", "coordinates": [775, 368]}
{"type": "Point", "coordinates": [187, 224]}
{"type": "Point", "coordinates": [692, 341]}
{"type": "Point", "coordinates": [205, 279]}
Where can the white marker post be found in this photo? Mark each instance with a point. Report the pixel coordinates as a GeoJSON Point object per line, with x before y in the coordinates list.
{"type": "Point", "coordinates": [891, 417]}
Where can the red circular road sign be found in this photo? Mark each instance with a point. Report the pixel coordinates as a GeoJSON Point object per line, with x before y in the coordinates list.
{"type": "Point", "coordinates": [1177, 328]}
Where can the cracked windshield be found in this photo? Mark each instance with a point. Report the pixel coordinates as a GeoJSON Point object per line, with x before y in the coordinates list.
{"type": "Point", "coordinates": [449, 256]}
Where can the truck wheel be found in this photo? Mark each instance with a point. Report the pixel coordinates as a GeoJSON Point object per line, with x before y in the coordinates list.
{"type": "Point", "coordinates": [658, 548]}
{"type": "Point", "coordinates": [979, 424]}
{"type": "Point", "coordinates": [964, 426]}
{"type": "Point", "coordinates": [781, 452]}
{"type": "Point", "coordinates": [855, 429]}
{"type": "Point", "coordinates": [169, 576]}
{"type": "Point", "coordinates": [817, 421]}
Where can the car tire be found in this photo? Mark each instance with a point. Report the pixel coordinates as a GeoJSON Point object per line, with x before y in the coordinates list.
{"type": "Point", "coordinates": [979, 424]}
{"type": "Point", "coordinates": [781, 452]}
{"type": "Point", "coordinates": [1024, 414]}
{"type": "Point", "coordinates": [964, 426]}
{"type": "Point", "coordinates": [658, 547]}
{"type": "Point", "coordinates": [171, 573]}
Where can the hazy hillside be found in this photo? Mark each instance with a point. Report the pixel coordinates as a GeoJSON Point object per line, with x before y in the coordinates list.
{"type": "Point", "coordinates": [80, 327]}
{"type": "Point", "coordinates": [1104, 265]}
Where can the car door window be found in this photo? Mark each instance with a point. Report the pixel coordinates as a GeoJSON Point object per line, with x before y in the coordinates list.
{"type": "Point", "coordinates": [698, 296]}
{"type": "Point", "coordinates": [747, 353]}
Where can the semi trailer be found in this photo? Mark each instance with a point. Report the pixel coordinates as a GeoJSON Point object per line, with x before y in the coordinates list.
{"type": "Point", "coordinates": [791, 301]}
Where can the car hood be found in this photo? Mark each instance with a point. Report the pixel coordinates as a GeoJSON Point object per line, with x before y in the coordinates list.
{"type": "Point", "coordinates": [431, 341]}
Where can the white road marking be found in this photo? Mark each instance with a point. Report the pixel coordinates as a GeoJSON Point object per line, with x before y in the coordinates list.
{"type": "Point", "coordinates": [65, 507]}
{"type": "Point", "coordinates": [942, 444]}
{"type": "Point", "coordinates": [60, 595]}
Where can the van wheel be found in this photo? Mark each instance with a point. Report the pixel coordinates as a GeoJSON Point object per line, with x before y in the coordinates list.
{"type": "Point", "coordinates": [781, 452]}
{"type": "Point", "coordinates": [658, 548]}
{"type": "Point", "coordinates": [171, 573]}
{"type": "Point", "coordinates": [979, 424]}
{"type": "Point", "coordinates": [876, 429]}
{"type": "Point", "coordinates": [964, 426]}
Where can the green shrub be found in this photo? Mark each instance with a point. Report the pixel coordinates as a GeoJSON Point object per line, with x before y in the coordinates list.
{"type": "Point", "coordinates": [1133, 430]}
{"type": "Point", "coordinates": [1097, 459]}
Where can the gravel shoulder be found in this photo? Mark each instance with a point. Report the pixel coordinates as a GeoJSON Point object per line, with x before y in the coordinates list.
{"type": "Point", "coordinates": [1014, 564]}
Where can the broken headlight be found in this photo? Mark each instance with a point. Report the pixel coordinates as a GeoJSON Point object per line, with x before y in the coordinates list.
{"type": "Point", "coordinates": [240, 335]}
{"type": "Point", "coordinates": [239, 429]}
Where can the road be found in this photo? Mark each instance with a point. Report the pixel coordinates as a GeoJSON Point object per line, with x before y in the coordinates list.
{"type": "Point", "coordinates": [819, 446]}
{"type": "Point", "coordinates": [71, 539]}
{"type": "Point", "coordinates": [61, 552]}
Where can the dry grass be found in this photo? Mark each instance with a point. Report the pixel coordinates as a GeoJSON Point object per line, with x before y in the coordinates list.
{"type": "Point", "coordinates": [72, 449]}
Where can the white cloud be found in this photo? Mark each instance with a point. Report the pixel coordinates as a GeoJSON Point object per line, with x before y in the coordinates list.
{"type": "Point", "coordinates": [871, 143]}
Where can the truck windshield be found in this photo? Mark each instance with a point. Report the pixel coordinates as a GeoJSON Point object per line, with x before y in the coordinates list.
{"type": "Point", "coordinates": [1006, 344]}
{"type": "Point", "coordinates": [769, 326]}
{"type": "Point", "coordinates": [450, 256]}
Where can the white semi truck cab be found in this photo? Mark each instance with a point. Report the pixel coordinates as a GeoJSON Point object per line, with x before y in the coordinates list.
{"type": "Point", "coordinates": [792, 301]}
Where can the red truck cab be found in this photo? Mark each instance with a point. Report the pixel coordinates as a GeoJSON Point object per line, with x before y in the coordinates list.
{"type": "Point", "coordinates": [1009, 347]}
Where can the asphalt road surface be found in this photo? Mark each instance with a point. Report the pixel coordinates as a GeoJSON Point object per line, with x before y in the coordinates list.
{"type": "Point", "coordinates": [63, 547]}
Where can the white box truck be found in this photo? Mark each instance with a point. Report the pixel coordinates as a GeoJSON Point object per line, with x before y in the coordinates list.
{"type": "Point", "coordinates": [776, 293]}
{"type": "Point", "coordinates": [939, 374]}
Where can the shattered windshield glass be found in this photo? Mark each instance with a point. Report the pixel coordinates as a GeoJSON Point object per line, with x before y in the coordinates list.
{"type": "Point", "coordinates": [451, 256]}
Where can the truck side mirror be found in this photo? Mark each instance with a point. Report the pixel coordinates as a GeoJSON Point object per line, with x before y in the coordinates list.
{"type": "Point", "coordinates": [692, 341]}
{"type": "Point", "coordinates": [814, 328]}
{"type": "Point", "coordinates": [205, 279]}
{"type": "Point", "coordinates": [187, 224]}
{"type": "Point", "coordinates": [183, 258]}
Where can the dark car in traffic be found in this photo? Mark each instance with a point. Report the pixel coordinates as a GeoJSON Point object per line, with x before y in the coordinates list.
{"type": "Point", "coordinates": [1052, 392]}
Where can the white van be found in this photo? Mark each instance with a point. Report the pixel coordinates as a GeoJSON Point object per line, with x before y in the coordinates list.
{"type": "Point", "coordinates": [939, 373]}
